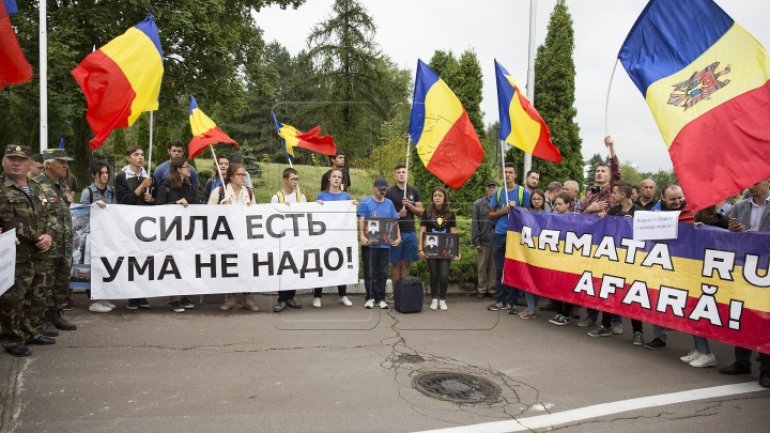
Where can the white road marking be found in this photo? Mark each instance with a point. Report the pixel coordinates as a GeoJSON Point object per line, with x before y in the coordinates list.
{"type": "Point", "coordinates": [604, 409]}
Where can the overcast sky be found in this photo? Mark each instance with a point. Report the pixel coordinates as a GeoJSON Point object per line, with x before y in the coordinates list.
{"type": "Point", "coordinates": [412, 29]}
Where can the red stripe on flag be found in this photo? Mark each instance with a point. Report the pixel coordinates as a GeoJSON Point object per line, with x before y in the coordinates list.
{"type": "Point", "coordinates": [725, 150]}
{"type": "Point", "coordinates": [14, 67]}
{"type": "Point", "coordinates": [458, 155]}
{"type": "Point", "coordinates": [200, 142]}
{"type": "Point", "coordinates": [108, 93]}
{"type": "Point", "coordinates": [559, 285]}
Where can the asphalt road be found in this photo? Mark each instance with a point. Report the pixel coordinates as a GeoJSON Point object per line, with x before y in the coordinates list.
{"type": "Point", "coordinates": [339, 369]}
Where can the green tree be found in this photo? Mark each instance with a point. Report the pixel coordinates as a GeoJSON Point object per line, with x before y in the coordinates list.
{"type": "Point", "coordinates": [360, 82]}
{"type": "Point", "coordinates": [555, 97]}
{"type": "Point", "coordinates": [211, 49]}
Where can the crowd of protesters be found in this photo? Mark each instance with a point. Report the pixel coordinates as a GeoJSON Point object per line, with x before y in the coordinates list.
{"type": "Point", "coordinates": [35, 197]}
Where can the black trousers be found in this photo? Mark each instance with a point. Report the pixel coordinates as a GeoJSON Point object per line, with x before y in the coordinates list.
{"type": "Point", "coordinates": [439, 277]}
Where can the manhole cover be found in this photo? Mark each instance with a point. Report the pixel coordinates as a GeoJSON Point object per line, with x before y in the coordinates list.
{"type": "Point", "coordinates": [456, 387]}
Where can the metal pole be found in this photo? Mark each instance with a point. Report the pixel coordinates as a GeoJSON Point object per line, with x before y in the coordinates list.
{"type": "Point", "coordinates": [406, 175]}
{"type": "Point", "coordinates": [607, 101]}
{"type": "Point", "coordinates": [43, 60]}
{"type": "Point", "coordinates": [149, 151]}
{"type": "Point", "coordinates": [530, 76]}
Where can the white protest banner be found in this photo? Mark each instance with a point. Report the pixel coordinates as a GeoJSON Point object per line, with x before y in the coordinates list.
{"type": "Point", "coordinates": [7, 260]}
{"type": "Point", "coordinates": [656, 226]}
{"type": "Point", "coordinates": [148, 251]}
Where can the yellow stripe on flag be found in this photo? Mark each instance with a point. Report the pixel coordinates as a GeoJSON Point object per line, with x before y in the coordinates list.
{"type": "Point", "coordinates": [442, 109]}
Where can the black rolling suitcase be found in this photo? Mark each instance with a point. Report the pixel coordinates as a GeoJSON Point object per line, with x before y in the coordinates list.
{"type": "Point", "coordinates": [408, 295]}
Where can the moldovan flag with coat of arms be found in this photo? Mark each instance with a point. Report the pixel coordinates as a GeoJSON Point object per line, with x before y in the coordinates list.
{"type": "Point", "coordinates": [121, 80]}
{"type": "Point", "coordinates": [205, 131]}
{"type": "Point", "coordinates": [705, 79]}
{"type": "Point", "coordinates": [520, 124]}
{"type": "Point", "coordinates": [441, 131]}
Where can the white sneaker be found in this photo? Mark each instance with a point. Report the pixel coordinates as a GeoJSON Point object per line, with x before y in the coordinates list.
{"type": "Point", "coordinates": [690, 356]}
{"type": "Point", "coordinates": [316, 302]}
{"type": "Point", "coordinates": [345, 301]}
{"type": "Point", "coordinates": [433, 304]}
{"type": "Point", "coordinates": [442, 305]}
{"type": "Point", "coordinates": [703, 360]}
{"type": "Point", "coordinates": [99, 307]}
{"type": "Point", "coordinates": [109, 304]}
{"type": "Point", "coordinates": [617, 328]}
{"type": "Point", "coordinates": [383, 305]}
{"type": "Point", "coordinates": [369, 304]}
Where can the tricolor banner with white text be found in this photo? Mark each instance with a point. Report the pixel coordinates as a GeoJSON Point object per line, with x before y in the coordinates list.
{"type": "Point", "coordinates": [147, 251]}
{"type": "Point", "coordinates": [708, 282]}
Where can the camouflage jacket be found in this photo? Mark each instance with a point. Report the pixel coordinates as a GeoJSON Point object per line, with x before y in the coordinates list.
{"type": "Point", "coordinates": [29, 215]}
{"type": "Point", "coordinates": [57, 195]}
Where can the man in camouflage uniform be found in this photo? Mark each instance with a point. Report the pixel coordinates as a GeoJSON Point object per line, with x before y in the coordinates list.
{"type": "Point", "coordinates": [23, 207]}
{"type": "Point", "coordinates": [59, 269]}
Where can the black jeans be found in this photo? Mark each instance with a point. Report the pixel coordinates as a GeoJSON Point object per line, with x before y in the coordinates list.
{"type": "Point", "coordinates": [342, 290]}
{"type": "Point", "coordinates": [439, 277]}
{"type": "Point", "coordinates": [375, 262]}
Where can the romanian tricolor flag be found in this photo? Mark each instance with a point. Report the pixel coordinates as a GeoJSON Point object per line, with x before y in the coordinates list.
{"type": "Point", "coordinates": [705, 79]}
{"type": "Point", "coordinates": [441, 130]}
{"type": "Point", "coordinates": [121, 79]}
{"type": "Point", "coordinates": [520, 124]}
{"type": "Point", "coordinates": [290, 138]}
{"type": "Point", "coordinates": [14, 67]}
{"type": "Point", "coordinates": [205, 131]}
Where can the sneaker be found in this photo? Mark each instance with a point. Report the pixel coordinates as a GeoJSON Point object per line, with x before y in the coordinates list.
{"type": "Point", "coordinates": [600, 332]}
{"type": "Point", "coordinates": [68, 305]}
{"type": "Point", "coordinates": [638, 339]}
{"type": "Point", "coordinates": [559, 320]}
{"type": "Point", "coordinates": [383, 305]}
{"type": "Point", "coordinates": [655, 343]}
{"type": "Point", "coordinates": [512, 309]}
{"type": "Point", "coordinates": [316, 302]}
{"type": "Point", "coordinates": [133, 304]}
{"type": "Point", "coordinates": [143, 303]}
{"type": "Point", "coordinates": [588, 321]}
{"type": "Point", "coordinates": [442, 305]}
{"type": "Point", "coordinates": [110, 304]}
{"type": "Point", "coordinates": [345, 301]}
{"type": "Point", "coordinates": [369, 304]}
{"type": "Point", "coordinates": [186, 303]}
{"type": "Point", "coordinates": [527, 314]}
{"type": "Point", "coordinates": [99, 307]}
{"type": "Point", "coordinates": [617, 328]}
{"type": "Point", "coordinates": [434, 304]}
{"type": "Point", "coordinates": [690, 356]}
{"type": "Point", "coordinates": [496, 306]}
{"type": "Point", "coordinates": [703, 360]}
{"type": "Point", "coordinates": [177, 307]}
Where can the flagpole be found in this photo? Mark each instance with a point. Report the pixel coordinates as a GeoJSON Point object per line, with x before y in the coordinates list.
{"type": "Point", "coordinates": [43, 60]}
{"type": "Point", "coordinates": [216, 164]}
{"type": "Point", "coordinates": [502, 163]}
{"type": "Point", "coordinates": [530, 77]}
{"type": "Point", "coordinates": [607, 100]}
{"type": "Point", "coordinates": [406, 175]}
{"type": "Point", "coordinates": [149, 151]}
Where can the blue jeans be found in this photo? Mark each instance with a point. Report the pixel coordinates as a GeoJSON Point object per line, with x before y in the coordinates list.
{"type": "Point", "coordinates": [701, 345]}
{"type": "Point", "coordinates": [375, 272]}
{"type": "Point", "coordinates": [503, 293]}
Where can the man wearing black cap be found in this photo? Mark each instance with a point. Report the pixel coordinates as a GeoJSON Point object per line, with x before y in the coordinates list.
{"type": "Point", "coordinates": [23, 207]}
{"type": "Point", "coordinates": [376, 257]}
{"type": "Point", "coordinates": [482, 231]}
{"type": "Point", "coordinates": [337, 162]}
{"type": "Point", "coordinates": [59, 268]}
